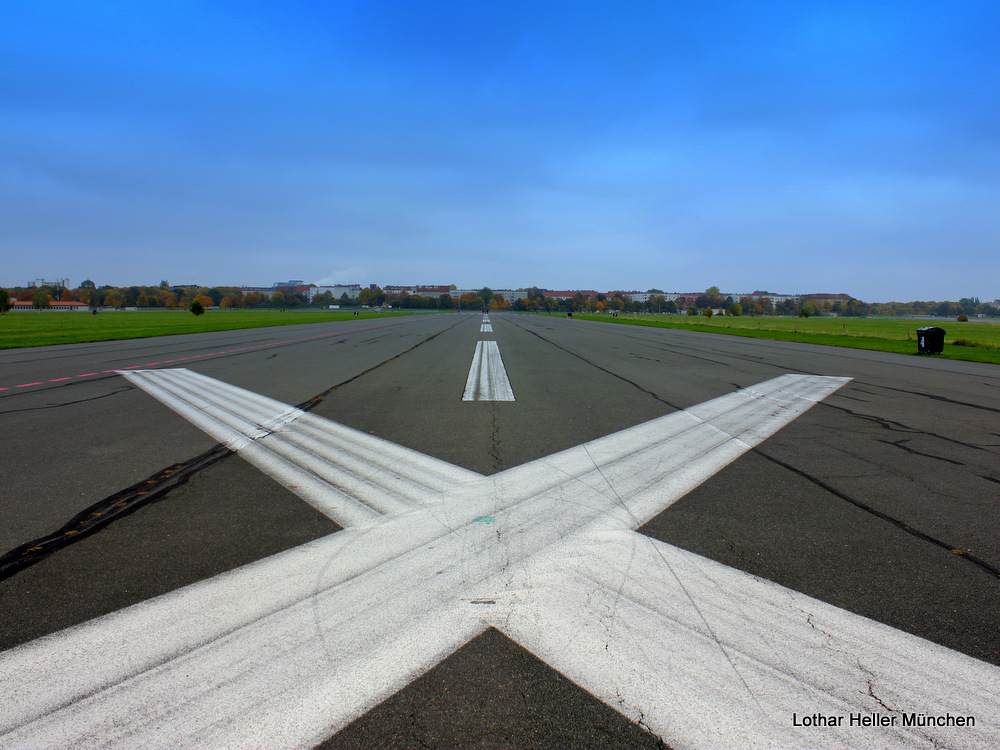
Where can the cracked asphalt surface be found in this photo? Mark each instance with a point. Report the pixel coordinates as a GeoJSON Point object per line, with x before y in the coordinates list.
{"type": "Point", "coordinates": [882, 499]}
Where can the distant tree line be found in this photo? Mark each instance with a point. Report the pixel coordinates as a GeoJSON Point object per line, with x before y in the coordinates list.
{"type": "Point", "coordinates": [165, 295]}
{"type": "Point", "coordinates": [968, 306]}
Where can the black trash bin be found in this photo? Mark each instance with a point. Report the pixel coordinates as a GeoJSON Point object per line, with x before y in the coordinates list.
{"type": "Point", "coordinates": [930, 340]}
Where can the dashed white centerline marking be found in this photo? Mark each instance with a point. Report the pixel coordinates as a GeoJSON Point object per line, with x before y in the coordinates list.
{"type": "Point", "coordinates": [487, 376]}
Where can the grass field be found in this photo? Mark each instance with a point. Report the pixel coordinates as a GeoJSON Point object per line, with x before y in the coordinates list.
{"type": "Point", "coordinates": [975, 341]}
{"type": "Point", "coordinates": [42, 328]}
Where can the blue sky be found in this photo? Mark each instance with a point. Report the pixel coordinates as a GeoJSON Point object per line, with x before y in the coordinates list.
{"type": "Point", "coordinates": [790, 146]}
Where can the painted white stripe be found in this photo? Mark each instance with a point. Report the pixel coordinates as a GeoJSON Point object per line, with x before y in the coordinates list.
{"type": "Point", "coordinates": [486, 328]}
{"type": "Point", "coordinates": [344, 473]}
{"type": "Point", "coordinates": [487, 379]}
{"type": "Point", "coordinates": [284, 651]}
{"type": "Point", "coordinates": [651, 465]}
{"type": "Point", "coordinates": [709, 656]}
{"type": "Point", "coordinates": [382, 455]}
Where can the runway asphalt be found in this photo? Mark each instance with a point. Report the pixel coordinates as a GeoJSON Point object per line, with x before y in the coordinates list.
{"type": "Point", "coordinates": [881, 499]}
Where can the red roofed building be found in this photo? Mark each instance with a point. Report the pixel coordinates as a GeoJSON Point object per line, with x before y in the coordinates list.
{"type": "Point", "coordinates": [27, 304]}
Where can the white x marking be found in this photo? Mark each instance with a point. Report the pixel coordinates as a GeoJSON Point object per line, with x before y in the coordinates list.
{"type": "Point", "coordinates": [287, 650]}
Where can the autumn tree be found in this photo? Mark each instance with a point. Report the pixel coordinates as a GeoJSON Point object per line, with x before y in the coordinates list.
{"type": "Point", "coordinates": [751, 306]}
{"type": "Point", "coordinates": [714, 297]}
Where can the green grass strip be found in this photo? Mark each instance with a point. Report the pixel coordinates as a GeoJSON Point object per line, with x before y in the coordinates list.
{"type": "Point", "coordinates": [25, 328]}
{"type": "Point", "coordinates": [973, 341]}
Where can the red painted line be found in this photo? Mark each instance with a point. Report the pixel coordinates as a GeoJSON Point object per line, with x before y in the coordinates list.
{"type": "Point", "coordinates": [198, 356]}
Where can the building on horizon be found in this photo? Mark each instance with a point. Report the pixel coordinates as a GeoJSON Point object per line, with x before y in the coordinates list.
{"type": "Point", "coordinates": [64, 283]}
{"type": "Point", "coordinates": [28, 304]}
{"type": "Point", "coordinates": [337, 291]}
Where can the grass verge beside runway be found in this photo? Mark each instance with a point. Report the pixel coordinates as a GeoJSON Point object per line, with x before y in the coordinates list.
{"type": "Point", "coordinates": [44, 328]}
{"type": "Point", "coordinates": [973, 341]}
